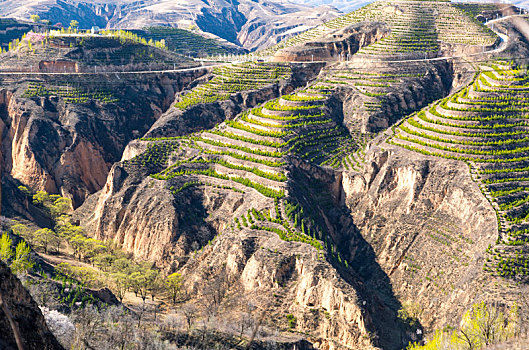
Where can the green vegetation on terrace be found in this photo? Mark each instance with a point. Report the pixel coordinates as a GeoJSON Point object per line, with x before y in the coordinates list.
{"type": "Point", "coordinates": [124, 36]}
{"type": "Point", "coordinates": [120, 50]}
{"type": "Point", "coordinates": [416, 26]}
{"type": "Point", "coordinates": [185, 42]}
{"type": "Point", "coordinates": [249, 155]}
{"type": "Point", "coordinates": [231, 79]}
{"type": "Point", "coordinates": [485, 124]}
{"type": "Point", "coordinates": [70, 94]}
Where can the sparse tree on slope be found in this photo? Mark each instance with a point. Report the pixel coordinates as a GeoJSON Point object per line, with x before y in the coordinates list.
{"type": "Point", "coordinates": [173, 285]}
{"type": "Point", "coordinates": [6, 252]}
{"type": "Point", "coordinates": [22, 261]}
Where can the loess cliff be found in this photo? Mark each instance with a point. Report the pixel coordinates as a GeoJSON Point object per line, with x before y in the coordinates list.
{"type": "Point", "coordinates": [19, 309]}
{"type": "Point", "coordinates": [358, 190]}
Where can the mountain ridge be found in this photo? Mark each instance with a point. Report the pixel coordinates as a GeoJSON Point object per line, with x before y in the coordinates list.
{"type": "Point", "coordinates": [250, 24]}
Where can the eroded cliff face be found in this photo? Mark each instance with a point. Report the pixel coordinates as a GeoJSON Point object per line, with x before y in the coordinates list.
{"type": "Point", "coordinates": [338, 46]}
{"type": "Point", "coordinates": [280, 277]}
{"type": "Point", "coordinates": [288, 278]}
{"type": "Point", "coordinates": [333, 304]}
{"type": "Point", "coordinates": [429, 226]}
{"type": "Point", "coordinates": [25, 314]}
{"type": "Point", "coordinates": [373, 104]}
{"type": "Point", "coordinates": [138, 212]}
{"type": "Point", "coordinates": [68, 148]}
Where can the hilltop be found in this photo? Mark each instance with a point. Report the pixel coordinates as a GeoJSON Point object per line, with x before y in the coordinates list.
{"type": "Point", "coordinates": [118, 50]}
{"type": "Point", "coordinates": [249, 24]}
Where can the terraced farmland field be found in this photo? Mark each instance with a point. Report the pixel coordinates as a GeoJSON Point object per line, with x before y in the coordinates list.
{"type": "Point", "coordinates": [485, 125]}
{"type": "Point", "coordinates": [69, 94]}
{"type": "Point", "coordinates": [185, 42]}
{"type": "Point", "coordinates": [416, 27]}
{"type": "Point", "coordinates": [250, 157]}
{"type": "Point", "coordinates": [231, 79]}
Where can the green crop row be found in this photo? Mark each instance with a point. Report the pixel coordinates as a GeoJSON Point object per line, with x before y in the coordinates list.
{"type": "Point", "coordinates": [265, 191]}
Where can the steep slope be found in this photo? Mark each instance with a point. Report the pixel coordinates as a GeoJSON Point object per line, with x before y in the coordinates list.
{"type": "Point", "coordinates": [468, 247]}
{"type": "Point", "coordinates": [478, 126]}
{"type": "Point", "coordinates": [61, 133]}
{"type": "Point", "coordinates": [229, 184]}
{"type": "Point", "coordinates": [263, 185]}
{"type": "Point", "coordinates": [253, 182]}
{"type": "Point", "coordinates": [24, 313]}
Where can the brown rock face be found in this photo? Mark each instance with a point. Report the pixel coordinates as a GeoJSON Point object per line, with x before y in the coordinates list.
{"type": "Point", "coordinates": [26, 315]}
{"type": "Point", "coordinates": [149, 221]}
{"type": "Point", "coordinates": [334, 306]}
{"type": "Point", "coordinates": [68, 148]}
{"type": "Point", "coordinates": [428, 81]}
{"type": "Point", "coordinates": [337, 46]}
{"type": "Point", "coordinates": [58, 66]}
{"type": "Point", "coordinates": [287, 277]}
{"type": "Point", "coordinates": [429, 226]}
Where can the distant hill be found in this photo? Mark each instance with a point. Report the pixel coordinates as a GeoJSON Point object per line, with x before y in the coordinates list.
{"type": "Point", "coordinates": [342, 5]}
{"type": "Point", "coordinates": [11, 29]}
{"type": "Point", "coordinates": [250, 24]}
{"type": "Point", "coordinates": [351, 5]}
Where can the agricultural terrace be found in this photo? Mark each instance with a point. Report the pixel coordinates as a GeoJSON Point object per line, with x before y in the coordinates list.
{"type": "Point", "coordinates": [416, 26]}
{"type": "Point", "coordinates": [249, 155]}
{"type": "Point", "coordinates": [486, 125]}
{"type": "Point", "coordinates": [228, 80]}
{"type": "Point", "coordinates": [70, 94]}
{"type": "Point", "coordinates": [185, 42]}
{"type": "Point", "coordinates": [114, 50]}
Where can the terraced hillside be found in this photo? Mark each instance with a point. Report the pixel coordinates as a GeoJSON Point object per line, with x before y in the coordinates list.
{"type": "Point", "coordinates": [485, 126]}
{"type": "Point", "coordinates": [185, 42]}
{"type": "Point", "coordinates": [81, 53]}
{"type": "Point", "coordinates": [374, 95]}
{"type": "Point", "coordinates": [312, 202]}
{"type": "Point", "coordinates": [231, 79]}
{"type": "Point", "coordinates": [253, 149]}
{"type": "Point", "coordinates": [249, 169]}
{"type": "Point", "coordinates": [417, 28]}
{"type": "Point", "coordinates": [70, 93]}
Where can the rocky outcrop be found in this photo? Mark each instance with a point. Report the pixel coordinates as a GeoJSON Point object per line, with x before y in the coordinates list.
{"type": "Point", "coordinates": [421, 83]}
{"type": "Point", "coordinates": [68, 148]}
{"type": "Point", "coordinates": [288, 278]}
{"type": "Point", "coordinates": [58, 66]}
{"type": "Point", "coordinates": [281, 277]}
{"type": "Point", "coordinates": [337, 46]}
{"type": "Point", "coordinates": [333, 304]}
{"type": "Point", "coordinates": [429, 226]}
{"type": "Point", "coordinates": [19, 310]}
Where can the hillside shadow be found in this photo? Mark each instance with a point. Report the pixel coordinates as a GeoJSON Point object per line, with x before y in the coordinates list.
{"type": "Point", "coordinates": [315, 189]}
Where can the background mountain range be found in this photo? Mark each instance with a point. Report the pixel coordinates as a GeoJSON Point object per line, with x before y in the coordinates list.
{"type": "Point", "coordinates": [249, 23]}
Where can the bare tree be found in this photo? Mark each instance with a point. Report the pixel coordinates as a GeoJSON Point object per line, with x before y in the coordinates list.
{"type": "Point", "coordinates": [190, 313]}
{"type": "Point", "coordinates": [89, 325]}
